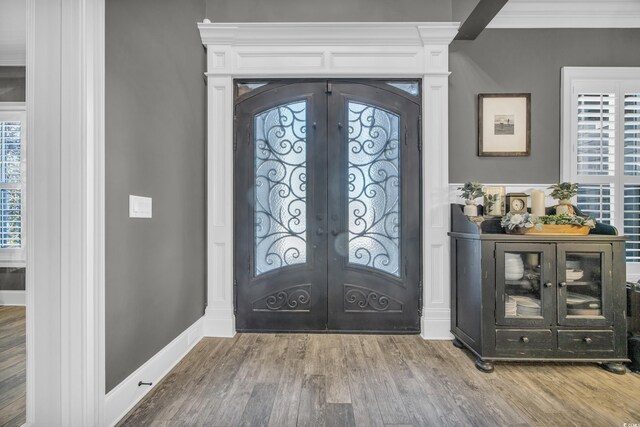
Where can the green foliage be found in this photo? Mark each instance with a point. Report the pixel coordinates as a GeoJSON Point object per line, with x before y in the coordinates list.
{"type": "Point", "coordinates": [564, 190]}
{"type": "Point", "coordinates": [490, 200]}
{"type": "Point", "coordinates": [565, 219]}
{"type": "Point", "coordinates": [512, 221]}
{"type": "Point", "coordinates": [471, 190]}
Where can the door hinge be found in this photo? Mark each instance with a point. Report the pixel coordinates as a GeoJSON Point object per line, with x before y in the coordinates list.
{"type": "Point", "coordinates": [235, 296]}
{"type": "Point", "coordinates": [329, 88]}
{"type": "Point", "coordinates": [420, 132]}
{"type": "Point", "coordinates": [420, 298]}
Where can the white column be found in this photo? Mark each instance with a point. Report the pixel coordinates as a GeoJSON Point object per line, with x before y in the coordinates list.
{"type": "Point", "coordinates": [219, 317]}
{"type": "Point", "coordinates": [436, 322]}
{"type": "Point", "coordinates": [65, 257]}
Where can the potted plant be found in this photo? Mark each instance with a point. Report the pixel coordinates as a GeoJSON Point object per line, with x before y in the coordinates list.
{"type": "Point", "coordinates": [563, 192]}
{"type": "Point", "coordinates": [518, 223]}
{"type": "Point", "coordinates": [470, 192]}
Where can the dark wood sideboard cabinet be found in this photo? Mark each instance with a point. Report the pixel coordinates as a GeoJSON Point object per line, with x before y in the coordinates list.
{"type": "Point", "coordinates": [537, 298]}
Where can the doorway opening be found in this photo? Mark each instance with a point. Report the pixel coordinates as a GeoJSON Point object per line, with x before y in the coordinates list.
{"type": "Point", "coordinates": [327, 205]}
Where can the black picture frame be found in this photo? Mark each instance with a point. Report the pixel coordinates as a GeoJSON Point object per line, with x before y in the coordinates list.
{"type": "Point", "coordinates": [504, 124]}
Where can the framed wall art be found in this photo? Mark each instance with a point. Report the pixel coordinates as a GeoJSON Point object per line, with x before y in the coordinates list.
{"type": "Point", "coordinates": [504, 124]}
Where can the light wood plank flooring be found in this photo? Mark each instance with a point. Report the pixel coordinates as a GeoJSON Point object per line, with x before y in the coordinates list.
{"type": "Point", "coordinates": [376, 380]}
{"type": "Point", "coordinates": [13, 362]}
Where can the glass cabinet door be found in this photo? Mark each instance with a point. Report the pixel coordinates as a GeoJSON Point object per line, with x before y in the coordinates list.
{"type": "Point", "coordinates": [584, 279]}
{"type": "Point", "coordinates": [525, 291]}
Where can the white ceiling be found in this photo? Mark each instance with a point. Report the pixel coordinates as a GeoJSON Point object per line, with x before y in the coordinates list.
{"type": "Point", "coordinates": [13, 32]}
{"type": "Point", "coordinates": [515, 14]}
{"type": "Point", "coordinates": [568, 14]}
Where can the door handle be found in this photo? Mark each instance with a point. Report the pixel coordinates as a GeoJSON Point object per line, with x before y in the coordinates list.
{"type": "Point", "coordinates": [334, 232]}
{"type": "Point", "coordinates": [548, 285]}
{"type": "Point", "coordinates": [562, 284]}
{"type": "Point", "coordinates": [320, 231]}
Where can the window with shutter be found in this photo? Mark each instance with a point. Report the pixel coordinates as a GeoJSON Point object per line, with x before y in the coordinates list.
{"type": "Point", "coordinates": [12, 183]}
{"type": "Point", "coordinates": [601, 148]}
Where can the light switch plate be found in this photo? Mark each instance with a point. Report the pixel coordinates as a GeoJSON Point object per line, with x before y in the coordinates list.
{"type": "Point", "coordinates": [139, 207]}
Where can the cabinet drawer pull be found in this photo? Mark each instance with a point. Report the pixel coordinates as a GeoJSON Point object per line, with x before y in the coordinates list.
{"type": "Point", "coordinates": [562, 284]}
{"type": "Point", "coordinates": [587, 340]}
{"type": "Point", "coordinates": [524, 339]}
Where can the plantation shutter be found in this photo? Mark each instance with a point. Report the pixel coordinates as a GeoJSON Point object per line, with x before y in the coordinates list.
{"type": "Point", "coordinates": [604, 152]}
{"type": "Point", "coordinates": [631, 135]}
{"type": "Point", "coordinates": [12, 171]}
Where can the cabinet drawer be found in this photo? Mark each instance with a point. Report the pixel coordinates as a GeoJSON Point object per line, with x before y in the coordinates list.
{"type": "Point", "coordinates": [586, 340]}
{"type": "Point", "coordinates": [521, 339]}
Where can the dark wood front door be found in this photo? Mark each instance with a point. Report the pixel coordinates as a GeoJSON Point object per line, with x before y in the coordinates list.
{"type": "Point", "coordinates": [327, 206]}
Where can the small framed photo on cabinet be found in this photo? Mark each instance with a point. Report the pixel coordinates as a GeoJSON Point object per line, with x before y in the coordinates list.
{"type": "Point", "coordinates": [504, 124]}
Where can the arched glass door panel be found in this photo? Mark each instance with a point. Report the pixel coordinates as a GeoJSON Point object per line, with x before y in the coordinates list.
{"type": "Point", "coordinates": [280, 187]}
{"type": "Point", "coordinates": [374, 187]}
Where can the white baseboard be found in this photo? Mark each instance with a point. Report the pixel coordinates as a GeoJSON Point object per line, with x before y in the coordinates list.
{"type": "Point", "coordinates": [436, 324]}
{"type": "Point", "coordinates": [127, 394]}
{"type": "Point", "coordinates": [219, 323]}
{"type": "Point", "coordinates": [13, 297]}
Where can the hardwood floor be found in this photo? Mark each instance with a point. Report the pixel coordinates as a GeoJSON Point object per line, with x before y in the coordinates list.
{"type": "Point", "coordinates": [13, 362]}
{"type": "Point", "coordinates": [376, 380]}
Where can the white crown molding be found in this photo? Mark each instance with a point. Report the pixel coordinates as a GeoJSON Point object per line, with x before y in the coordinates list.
{"type": "Point", "coordinates": [568, 14]}
{"type": "Point", "coordinates": [328, 33]}
{"type": "Point", "coordinates": [315, 49]}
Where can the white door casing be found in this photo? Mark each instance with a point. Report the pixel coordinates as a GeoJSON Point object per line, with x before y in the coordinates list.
{"type": "Point", "coordinates": [330, 50]}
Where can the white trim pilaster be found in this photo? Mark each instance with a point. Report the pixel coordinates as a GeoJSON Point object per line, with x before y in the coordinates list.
{"type": "Point", "coordinates": [65, 212]}
{"type": "Point", "coordinates": [219, 318]}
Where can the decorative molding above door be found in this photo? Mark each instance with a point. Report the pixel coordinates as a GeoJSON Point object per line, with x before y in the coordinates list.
{"type": "Point", "coordinates": [364, 50]}
{"type": "Point", "coordinates": [327, 49]}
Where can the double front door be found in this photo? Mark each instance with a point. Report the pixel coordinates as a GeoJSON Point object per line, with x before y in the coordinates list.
{"type": "Point", "coordinates": [327, 206]}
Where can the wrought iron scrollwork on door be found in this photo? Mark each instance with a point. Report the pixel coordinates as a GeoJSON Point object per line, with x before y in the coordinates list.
{"type": "Point", "coordinates": [360, 299]}
{"type": "Point", "coordinates": [280, 187]}
{"type": "Point", "coordinates": [295, 298]}
{"type": "Point", "coordinates": [374, 187]}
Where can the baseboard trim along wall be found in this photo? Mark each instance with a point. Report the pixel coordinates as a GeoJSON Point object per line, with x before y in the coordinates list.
{"type": "Point", "coordinates": [219, 322]}
{"type": "Point", "coordinates": [127, 394]}
{"type": "Point", "coordinates": [13, 297]}
{"type": "Point", "coordinates": [436, 324]}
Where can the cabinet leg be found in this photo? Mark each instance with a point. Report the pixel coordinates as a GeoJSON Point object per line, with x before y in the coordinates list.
{"type": "Point", "coordinates": [614, 367]}
{"type": "Point", "coordinates": [457, 343]}
{"type": "Point", "coordinates": [484, 365]}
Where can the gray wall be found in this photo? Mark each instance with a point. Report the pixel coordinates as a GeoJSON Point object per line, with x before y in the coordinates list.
{"type": "Point", "coordinates": [328, 10]}
{"type": "Point", "coordinates": [155, 147]}
{"type": "Point", "coordinates": [12, 84]}
{"type": "Point", "coordinates": [523, 61]}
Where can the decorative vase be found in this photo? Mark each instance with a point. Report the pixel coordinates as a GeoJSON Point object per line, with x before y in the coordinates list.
{"type": "Point", "coordinates": [471, 209]}
{"type": "Point", "coordinates": [565, 207]}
